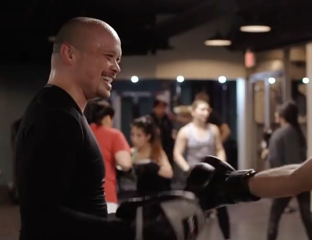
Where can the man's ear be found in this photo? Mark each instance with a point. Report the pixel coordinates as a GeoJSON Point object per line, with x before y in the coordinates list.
{"type": "Point", "coordinates": [68, 53]}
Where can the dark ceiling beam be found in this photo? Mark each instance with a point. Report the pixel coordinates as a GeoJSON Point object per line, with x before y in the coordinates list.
{"type": "Point", "coordinates": [284, 43]}
{"type": "Point", "coordinates": [204, 12]}
{"type": "Point", "coordinates": [277, 39]}
{"type": "Point", "coordinates": [209, 10]}
{"type": "Point", "coordinates": [173, 6]}
{"type": "Point", "coordinates": [263, 4]}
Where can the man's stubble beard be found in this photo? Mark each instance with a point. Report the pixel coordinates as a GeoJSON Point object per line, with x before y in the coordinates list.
{"type": "Point", "coordinates": [103, 93]}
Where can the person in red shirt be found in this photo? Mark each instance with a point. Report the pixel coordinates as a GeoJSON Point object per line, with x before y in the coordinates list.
{"type": "Point", "coordinates": [114, 147]}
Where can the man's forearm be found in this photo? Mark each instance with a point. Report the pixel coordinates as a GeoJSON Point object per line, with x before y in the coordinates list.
{"type": "Point", "coordinates": [69, 224]}
{"type": "Point", "coordinates": [282, 182]}
{"type": "Point", "coordinates": [78, 225]}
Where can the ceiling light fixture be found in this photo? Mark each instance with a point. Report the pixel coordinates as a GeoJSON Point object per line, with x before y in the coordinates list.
{"type": "Point", "coordinates": [218, 41]}
{"type": "Point", "coordinates": [257, 28]}
{"type": "Point", "coordinates": [222, 79]}
{"type": "Point", "coordinates": [134, 79]}
{"type": "Point", "coordinates": [180, 79]}
{"type": "Point", "coordinates": [305, 80]}
{"type": "Point", "coordinates": [271, 80]}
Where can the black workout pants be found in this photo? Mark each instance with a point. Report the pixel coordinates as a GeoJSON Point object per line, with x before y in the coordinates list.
{"type": "Point", "coordinates": [224, 222]}
{"type": "Point", "coordinates": [277, 211]}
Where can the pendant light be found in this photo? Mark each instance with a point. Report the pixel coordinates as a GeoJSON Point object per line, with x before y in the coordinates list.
{"type": "Point", "coordinates": [218, 41]}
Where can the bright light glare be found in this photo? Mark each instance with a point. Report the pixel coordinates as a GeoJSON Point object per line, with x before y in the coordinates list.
{"type": "Point", "coordinates": [271, 80]}
{"type": "Point", "coordinates": [222, 79]}
{"type": "Point", "coordinates": [305, 80]}
{"type": "Point", "coordinates": [134, 79]}
{"type": "Point", "coordinates": [218, 42]}
{"type": "Point", "coordinates": [180, 79]}
{"type": "Point", "coordinates": [255, 28]}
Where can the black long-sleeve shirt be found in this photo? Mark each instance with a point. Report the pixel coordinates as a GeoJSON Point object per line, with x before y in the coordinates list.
{"type": "Point", "coordinates": [285, 147]}
{"type": "Point", "coordinates": [62, 172]}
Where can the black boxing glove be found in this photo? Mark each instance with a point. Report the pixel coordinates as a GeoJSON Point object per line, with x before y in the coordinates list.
{"type": "Point", "coordinates": [173, 215]}
{"type": "Point", "coordinates": [216, 183]}
{"type": "Point", "coordinates": [199, 176]}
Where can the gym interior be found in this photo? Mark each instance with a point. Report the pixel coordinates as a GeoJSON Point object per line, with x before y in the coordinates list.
{"type": "Point", "coordinates": [246, 57]}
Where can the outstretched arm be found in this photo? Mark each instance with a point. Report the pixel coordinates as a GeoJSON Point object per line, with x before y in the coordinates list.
{"type": "Point", "coordinates": [285, 181]}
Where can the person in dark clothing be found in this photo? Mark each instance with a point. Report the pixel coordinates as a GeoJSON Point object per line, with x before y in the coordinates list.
{"type": "Point", "coordinates": [165, 127]}
{"type": "Point", "coordinates": [215, 119]}
{"type": "Point", "coordinates": [62, 169]}
{"type": "Point", "coordinates": [288, 146]}
{"type": "Point", "coordinates": [150, 162]}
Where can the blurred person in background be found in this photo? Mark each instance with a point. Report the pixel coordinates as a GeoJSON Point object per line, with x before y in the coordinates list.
{"type": "Point", "coordinates": [164, 125]}
{"type": "Point", "coordinates": [199, 139]}
{"type": "Point", "coordinates": [183, 116]}
{"type": "Point", "coordinates": [150, 161]}
{"type": "Point", "coordinates": [214, 117]}
{"type": "Point", "coordinates": [113, 145]}
{"type": "Point", "coordinates": [301, 102]}
{"type": "Point", "coordinates": [165, 128]}
{"type": "Point", "coordinates": [288, 146]}
{"type": "Point", "coordinates": [264, 152]}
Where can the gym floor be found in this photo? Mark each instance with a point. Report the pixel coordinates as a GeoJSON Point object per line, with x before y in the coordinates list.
{"type": "Point", "coordinates": [248, 221]}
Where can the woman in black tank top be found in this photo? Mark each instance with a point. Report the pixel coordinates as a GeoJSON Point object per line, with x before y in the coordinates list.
{"type": "Point", "coordinates": [150, 162]}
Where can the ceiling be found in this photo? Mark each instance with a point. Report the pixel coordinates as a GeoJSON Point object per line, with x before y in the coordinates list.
{"type": "Point", "coordinates": [26, 25]}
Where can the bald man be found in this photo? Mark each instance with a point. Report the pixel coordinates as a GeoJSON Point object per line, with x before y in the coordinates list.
{"type": "Point", "coordinates": [62, 170]}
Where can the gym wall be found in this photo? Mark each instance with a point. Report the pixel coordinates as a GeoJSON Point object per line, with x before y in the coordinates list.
{"type": "Point", "coordinates": [18, 85]}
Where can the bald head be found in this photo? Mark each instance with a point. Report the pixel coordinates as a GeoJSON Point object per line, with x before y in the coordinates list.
{"type": "Point", "coordinates": [86, 55]}
{"type": "Point", "coordinates": [78, 31]}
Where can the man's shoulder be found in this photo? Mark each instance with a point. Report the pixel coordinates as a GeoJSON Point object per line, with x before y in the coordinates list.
{"type": "Point", "coordinates": [52, 104]}
{"type": "Point", "coordinates": [51, 115]}
{"type": "Point", "coordinates": [42, 117]}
